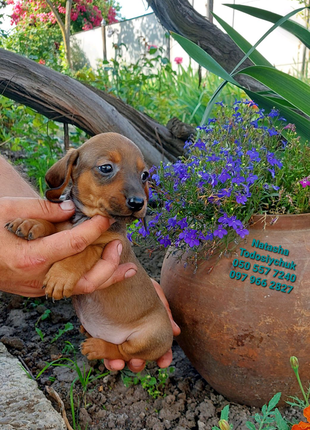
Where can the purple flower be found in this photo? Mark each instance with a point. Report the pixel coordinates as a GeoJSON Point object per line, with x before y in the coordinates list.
{"type": "Point", "coordinates": [213, 157]}
{"type": "Point", "coordinates": [200, 145]}
{"type": "Point", "coordinates": [241, 199]}
{"type": "Point", "coordinates": [165, 241]}
{"type": "Point", "coordinates": [172, 222]}
{"type": "Point", "coordinates": [154, 221]}
{"type": "Point", "coordinates": [156, 178]}
{"type": "Point", "coordinates": [242, 232]}
{"type": "Point", "coordinates": [273, 160]}
{"type": "Point", "coordinates": [223, 176]}
{"type": "Point", "coordinates": [208, 236]}
{"type": "Point", "coordinates": [253, 154]}
{"type": "Point", "coordinates": [238, 180]}
{"type": "Point", "coordinates": [272, 131]}
{"type": "Point", "coordinates": [220, 232]}
{"type": "Point", "coordinates": [189, 237]}
{"type": "Point", "coordinates": [272, 172]}
{"type": "Point", "coordinates": [168, 206]}
{"type": "Point", "coordinates": [143, 232]}
{"type": "Point", "coordinates": [251, 179]}
{"type": "Point", "coordinates": [273, 113]}
{"type": "Point", "coordinates": [182, 223]}
{"type": "Point", "coordinates": [224, 192]}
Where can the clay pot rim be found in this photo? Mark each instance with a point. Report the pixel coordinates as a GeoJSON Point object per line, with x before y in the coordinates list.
{"type": "Point", "coordinates": [280, 222]}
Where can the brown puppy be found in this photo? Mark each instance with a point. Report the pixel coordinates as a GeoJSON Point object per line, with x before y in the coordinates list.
{"type": "Point", "coordinates": [109, 177]}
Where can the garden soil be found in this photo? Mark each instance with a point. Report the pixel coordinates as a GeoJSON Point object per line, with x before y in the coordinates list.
{"type": "Point", "coordinates": [185, 401]}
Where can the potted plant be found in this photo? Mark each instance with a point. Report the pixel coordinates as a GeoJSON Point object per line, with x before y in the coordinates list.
{"type": "Point", "coordinates": [233, 214]}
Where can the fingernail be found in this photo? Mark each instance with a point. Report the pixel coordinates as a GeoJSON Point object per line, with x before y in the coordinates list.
{"type": "Point", "coordinates": [176, 325]}
{"type": "Point", "coordinates": [67, 205]}
{"type": "Point", "coordinates": [130, 273]}
{"type": "Point", "coordinates": [119, 249]}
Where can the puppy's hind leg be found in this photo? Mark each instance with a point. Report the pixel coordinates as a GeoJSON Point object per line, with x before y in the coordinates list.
{"type": "Point", "coordinates": [97, 349]}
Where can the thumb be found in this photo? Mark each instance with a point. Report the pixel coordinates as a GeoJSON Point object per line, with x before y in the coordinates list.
{"type": "Point", "coordinates": [21, 207]}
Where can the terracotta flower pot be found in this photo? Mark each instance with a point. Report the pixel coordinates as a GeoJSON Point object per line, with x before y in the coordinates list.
{"type": "Point", "coordinates": [239, 331]}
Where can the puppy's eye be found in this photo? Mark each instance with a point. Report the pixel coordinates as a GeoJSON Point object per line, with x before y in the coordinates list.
{"type": "Point", "coordinates": [106, 169]}
{"type": "Point", "coordinates": [144, 176]}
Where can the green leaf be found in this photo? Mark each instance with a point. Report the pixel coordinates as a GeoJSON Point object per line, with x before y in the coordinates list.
{"type": "Point", "coordinates": [40, 333]}
{"type": "Point", "coordinates": [302, 124]}
{"type": "Point", "coordinates": [243, 44]}
{"type": "Point", "coordinates": [278, 23]}
{"type": "Point", "coordinates": [280, 421]}
{"type": "Point", "coordinates": [291, 89]}
{"type": "Point", "coordinates": [296, 29]}
{"type": "Point", "coordinates": [225, 413]}
{"type": "Point", "coordinates": [203, 58]}
{"type": "Point", "coordinates": [258, 418]}
{"type": "Point", "coordinates": [274, 401]}
{"type": "Point", "coordinates": [250, 426]}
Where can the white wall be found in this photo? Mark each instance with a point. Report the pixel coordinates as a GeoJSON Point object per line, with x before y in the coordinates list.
{"type": "Point", "coordinates": [281, 48]}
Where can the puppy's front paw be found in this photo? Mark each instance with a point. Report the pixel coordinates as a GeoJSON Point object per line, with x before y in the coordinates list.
{"type": "Point", "coordinates": [29, 229]}
{"type": "Point", "coordinates": [59, 283]}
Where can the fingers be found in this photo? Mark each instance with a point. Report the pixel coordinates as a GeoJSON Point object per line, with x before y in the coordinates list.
{"type": "Point", "coordinates": [69, 242]}
{"type": "Point", "coordinates": [175, 328]}
{"type": "Point", "coordinates": [165, 360]}
{"type": "Point", "coordinates": [135, 365]}
{"type": "Point", "coordinates": [107, 271]}
{"type": "Point", "coordinates": [114, 364]}
{"type": "Point", "coordinates": [36, 208]}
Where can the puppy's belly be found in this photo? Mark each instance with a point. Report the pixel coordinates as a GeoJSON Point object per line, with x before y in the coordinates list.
{"type": "Point", "coordinates": [97, 324]}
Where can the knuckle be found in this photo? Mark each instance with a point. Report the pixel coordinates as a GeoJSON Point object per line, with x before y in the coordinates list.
{"type": "Point", "coordinates": [45, 206]}
{"type": "Point", "coordinates": [78, 243]}
{"type": "Point", "coordinates": [89, 288]}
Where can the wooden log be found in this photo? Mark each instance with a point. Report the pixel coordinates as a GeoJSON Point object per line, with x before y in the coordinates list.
{"type": "Point", "coordinates": [67, 100]}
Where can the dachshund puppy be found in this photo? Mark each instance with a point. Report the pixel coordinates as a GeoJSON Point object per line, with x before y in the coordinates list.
{"type": "Point", "coordinates": [109, 178]}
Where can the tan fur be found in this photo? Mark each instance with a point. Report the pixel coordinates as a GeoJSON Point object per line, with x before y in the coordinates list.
{"type": "Point", "coordinates": [129, 311]}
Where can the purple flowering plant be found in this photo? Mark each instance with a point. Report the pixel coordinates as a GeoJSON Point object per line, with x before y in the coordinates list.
{"type": "Point", "coordinates": [239, 165]}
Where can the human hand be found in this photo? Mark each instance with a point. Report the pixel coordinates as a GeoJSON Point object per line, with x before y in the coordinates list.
{"type": "Point", "coordinates": [137, 365]}
{"type": "Point", "coordinates": [23, 264]}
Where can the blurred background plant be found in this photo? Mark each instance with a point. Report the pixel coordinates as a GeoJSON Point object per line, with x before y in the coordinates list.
{"type": "Point", "coordinates": [37, 33]}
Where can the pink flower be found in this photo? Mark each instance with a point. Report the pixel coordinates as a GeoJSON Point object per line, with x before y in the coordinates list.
{"type": "Point", "coordinates": [41, 61]}
{"type": "Point", "coordinates": [178, 60]}
{"type": "Point", "coordinates": [305, 182]}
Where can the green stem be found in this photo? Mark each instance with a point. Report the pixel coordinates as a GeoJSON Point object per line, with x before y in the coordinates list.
{"type": "Point", "coordinates": [301, 387]}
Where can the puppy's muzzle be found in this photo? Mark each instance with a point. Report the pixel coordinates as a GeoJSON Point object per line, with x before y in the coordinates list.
{"type": "Point", "coordinates": [135, 203]}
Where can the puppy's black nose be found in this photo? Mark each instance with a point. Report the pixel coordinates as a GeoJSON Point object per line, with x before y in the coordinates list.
{"type": "Point", "coordinates": [135, 203]}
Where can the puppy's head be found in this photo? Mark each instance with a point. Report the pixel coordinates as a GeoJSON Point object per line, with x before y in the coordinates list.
{"type": "Point", "coordinates": [108, 174]}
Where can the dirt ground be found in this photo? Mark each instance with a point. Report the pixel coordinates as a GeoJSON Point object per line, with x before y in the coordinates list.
{"type": "Point", "coordinates": [185, 401]}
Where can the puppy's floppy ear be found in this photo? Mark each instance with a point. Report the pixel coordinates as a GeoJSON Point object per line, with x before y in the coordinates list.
{"type": "Point", "coordinates": [58, 176]}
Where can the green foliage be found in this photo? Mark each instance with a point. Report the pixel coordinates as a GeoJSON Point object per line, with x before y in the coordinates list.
{"type": "Point", "coordinates": [68, 327]}
{"type": "Point", "coordinates": [152, 86]}
{"type": "Point", "coordinates": [269, 419]}
{"type": "Point", "coordinates": [37, 141]}
{"type": "Point", "coordinates": [153, 385]}
{"type": "Point", "coordinates": [46, 314]}
{"type": "Point", "coordinates": [84, 377]}
{"type": "Point", "coordinates": [39, 43]}
{"type": "Point", "coordinates": [285, 101]}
